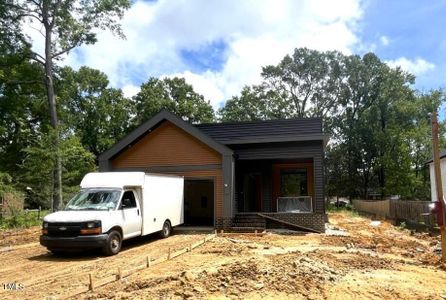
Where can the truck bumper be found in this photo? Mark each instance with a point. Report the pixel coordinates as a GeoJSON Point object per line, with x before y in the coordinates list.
{"type": "Point", "coordinates": [78, 242]}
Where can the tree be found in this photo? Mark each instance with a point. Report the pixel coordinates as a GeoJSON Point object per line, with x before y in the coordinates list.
{"type": "Point", "coordinates": [98, 115]}
{"type": "Point", "coordinates": [172, 94]}
{"type": "Point", "coordinates": [306, 84]}
{"type": "Point", "coordinates": [379, 124]}
{"type": "Point", "coordinates": [66, 24]}
{"type": "Point", "coordinates": [37, 159]}
{"type": "Point", "coordinates": [310, 80]}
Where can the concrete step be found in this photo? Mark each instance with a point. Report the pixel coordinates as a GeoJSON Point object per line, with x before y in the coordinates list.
{"type": "Point", "coordinates": [249, 224]}
{"type": "Point", "coordinates": [248, 221]}
{"type": "Point", "coordinates": [246, 229]}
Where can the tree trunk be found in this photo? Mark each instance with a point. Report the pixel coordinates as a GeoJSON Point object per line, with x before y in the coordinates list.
{"type": "Point", "coordinates": [57, 173]}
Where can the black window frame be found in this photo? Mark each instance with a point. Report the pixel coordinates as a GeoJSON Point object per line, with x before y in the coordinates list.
{"type": "Point", "coordinates": [132, 199]}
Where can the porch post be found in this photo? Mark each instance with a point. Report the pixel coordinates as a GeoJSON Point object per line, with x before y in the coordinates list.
{"type": "Point", "coordinates": [228, 186]}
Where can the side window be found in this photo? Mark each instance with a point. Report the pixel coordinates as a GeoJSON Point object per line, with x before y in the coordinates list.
{"type": "Point", "coordinates": [128, 200]}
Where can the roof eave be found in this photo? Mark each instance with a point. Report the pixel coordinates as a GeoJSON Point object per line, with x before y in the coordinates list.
{"type": "Point", "coordinates": [281, 139]}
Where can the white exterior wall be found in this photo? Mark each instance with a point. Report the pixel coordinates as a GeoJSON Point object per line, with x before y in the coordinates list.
{"type": "Point", "coordinates": [162, 200]}
{"type": "Point", "coordinates": [432, 178]}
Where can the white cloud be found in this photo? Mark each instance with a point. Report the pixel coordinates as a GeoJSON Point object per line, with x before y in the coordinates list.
{"type": "Point", "coordinates": [256, 33]}
{"type": "Point", "coordinates": [130, 90]}
{"type": "Point", "coordinates": [384, 40]}
{"type": "Point", "coordinates": [417, 66]}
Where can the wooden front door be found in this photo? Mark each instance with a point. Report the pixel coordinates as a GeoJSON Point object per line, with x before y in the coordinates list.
{"type": "Point", "coordinates": [291, 180]}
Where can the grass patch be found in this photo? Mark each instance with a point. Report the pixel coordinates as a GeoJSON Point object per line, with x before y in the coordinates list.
{"type": "Point", "coordinates": [347, 209]}
{"type": "Point", "coordinates": [22, 219]}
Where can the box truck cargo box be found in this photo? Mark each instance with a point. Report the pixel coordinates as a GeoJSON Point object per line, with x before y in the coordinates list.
{"type": "Point", "coordinates": [115, 206]}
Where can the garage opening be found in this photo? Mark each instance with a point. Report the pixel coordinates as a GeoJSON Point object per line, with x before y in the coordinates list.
{"type": "Point", "coordinates": [199, 202]}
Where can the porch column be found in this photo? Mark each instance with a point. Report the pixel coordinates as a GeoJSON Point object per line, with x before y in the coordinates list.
{"type": "Point", "coordinates": [228, 186]}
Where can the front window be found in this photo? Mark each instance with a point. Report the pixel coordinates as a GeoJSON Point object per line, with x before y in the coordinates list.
{"type": "Point", "coordinates": [94, 199]}
{"type": "Point", "coordinates": [294, 183]}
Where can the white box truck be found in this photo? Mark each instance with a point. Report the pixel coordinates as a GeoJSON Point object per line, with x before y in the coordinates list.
{"type": "Point", "coordinates": [115, 206]}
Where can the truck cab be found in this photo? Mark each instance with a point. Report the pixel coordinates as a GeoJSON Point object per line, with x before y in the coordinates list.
{"type": "Point", "coordinates": [104, 213]}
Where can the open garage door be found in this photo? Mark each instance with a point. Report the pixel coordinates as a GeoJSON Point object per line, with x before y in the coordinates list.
{"type": "Point", "coordinates": [199, 202]}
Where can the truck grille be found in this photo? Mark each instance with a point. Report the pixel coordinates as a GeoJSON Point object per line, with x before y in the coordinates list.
{"type": "Point", "coordinates": [64, 229]}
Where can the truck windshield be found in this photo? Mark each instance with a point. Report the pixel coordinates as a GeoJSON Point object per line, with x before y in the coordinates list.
{"type": "Point", "coordinates": [91, 199]}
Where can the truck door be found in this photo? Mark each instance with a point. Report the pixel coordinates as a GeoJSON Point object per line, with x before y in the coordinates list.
{"type": "Point", "coordinates": [131, 214]}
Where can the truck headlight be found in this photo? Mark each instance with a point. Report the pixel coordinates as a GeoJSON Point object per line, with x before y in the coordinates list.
{"type": "Point", "coordinates": [45, 228]}
{"type": "Point", "coordinates": [92, 227]}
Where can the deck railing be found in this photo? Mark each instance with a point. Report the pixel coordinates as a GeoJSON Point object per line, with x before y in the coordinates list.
{"type": "Point", "coordinates": [301, 204]}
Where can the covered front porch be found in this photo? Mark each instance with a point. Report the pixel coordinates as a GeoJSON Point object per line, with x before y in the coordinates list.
{"type": "Point", "coordinates": [278, 193]}
{"type": "Point", "coordinates": [274, 186]}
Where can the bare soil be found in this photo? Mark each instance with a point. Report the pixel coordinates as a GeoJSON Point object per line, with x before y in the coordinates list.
{"type": "Point", "coordinates": [372, 262]}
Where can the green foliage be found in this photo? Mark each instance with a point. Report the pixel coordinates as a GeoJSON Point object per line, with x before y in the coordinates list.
{"type": "Point", "coordinates": [69, 22]}
{"type": "Point", "coordinates": [402, 226]}
{"type": "Point", "coordinates": [174, 95]}
{"type": "Point", "coordinates": [5, 181]}
{"type": "Point", "coordinates": [23, 220]}
{"type": "Point", "coordinates": [379, 125]}
{"type": "Point", "coordinates": [40, 159]}
{"type": "Point", "coordinates": [99, 115]}
{"type": "Point", "coordinates": [347, 209]}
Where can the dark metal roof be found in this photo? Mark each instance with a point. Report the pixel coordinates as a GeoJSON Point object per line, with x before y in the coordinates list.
{"type": "Point", "coordinates": [284, 130]}
{"type": "Point", "coordinates": [217, 135]}
{"type": "Point", "coordinates": [146, 127]}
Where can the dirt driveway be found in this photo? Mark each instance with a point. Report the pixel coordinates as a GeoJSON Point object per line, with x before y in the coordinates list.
{"type": "Point", "coordinates": [43, 274]}
{"type": "Point", "coordinates": [375, 261]}
{"type": "Point", "coordinates": [369, 261]}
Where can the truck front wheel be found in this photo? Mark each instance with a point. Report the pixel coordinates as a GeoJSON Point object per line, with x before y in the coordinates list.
{"type": "Point", "coordinates": [113, 244]}
{"type": "Point", "coordinates": [167, 229]}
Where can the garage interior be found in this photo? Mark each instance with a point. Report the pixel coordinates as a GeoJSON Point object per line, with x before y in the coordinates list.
{"type": "Point", "coordinates": [199, 202]}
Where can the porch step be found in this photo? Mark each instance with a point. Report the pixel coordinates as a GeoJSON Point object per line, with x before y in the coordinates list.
{"type": "Point", "coordinates": [246, 229]}
{"type": "Point", "coordinates": [249, 222]}
{"type": "Point", "coordinates": [249, 225]}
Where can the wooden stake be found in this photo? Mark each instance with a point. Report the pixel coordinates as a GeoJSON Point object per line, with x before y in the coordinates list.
{"type": "Point", "coordinates": [90, 286]}
{"type": "Point", "coordinates": [148, 261]}
{"type": "Point", "coordinates": [222, 231]}
{"type": "Point", "coordinates": [119, 276]}
{"type": "Point", "coordinates": [438, 181]}
{"type": "Point", "coordinates": [255, 232]}
{"type": "Point", "coordinates": [168, 254]}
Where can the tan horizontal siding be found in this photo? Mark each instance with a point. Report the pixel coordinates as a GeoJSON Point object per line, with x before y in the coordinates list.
{"type": "Point", "coordinates": [167, 145]}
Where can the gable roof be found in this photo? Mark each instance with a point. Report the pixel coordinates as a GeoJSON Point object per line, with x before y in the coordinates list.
{"type": "Point", "coordinates": [146, 127]}
{"type": "Point", "coordinates": [283, 130]}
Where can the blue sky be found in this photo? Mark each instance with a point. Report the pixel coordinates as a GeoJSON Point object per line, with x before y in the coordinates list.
{"type": "Point", "coordinates": [413, 30]}
{"type": "Point", "coordinates": [220, 46]}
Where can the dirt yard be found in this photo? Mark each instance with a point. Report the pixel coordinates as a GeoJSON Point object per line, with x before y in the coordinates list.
{"type": "Point", "coordinates": [356, 260]}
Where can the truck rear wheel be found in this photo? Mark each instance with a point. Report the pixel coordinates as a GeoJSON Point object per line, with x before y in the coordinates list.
{"type": "Point", "coordinates": [113, 243]}
{"type": "Point", "coordinates": [167, 229]}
